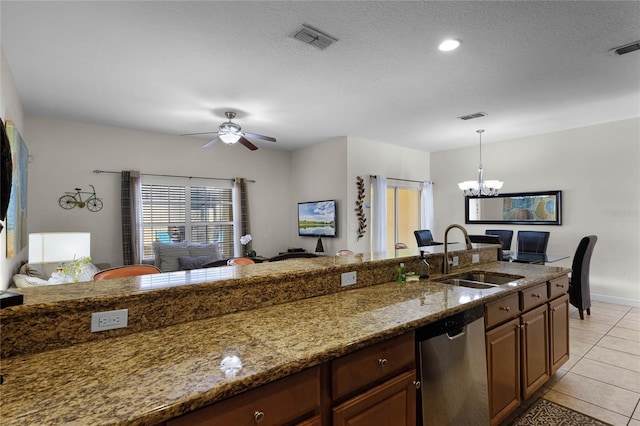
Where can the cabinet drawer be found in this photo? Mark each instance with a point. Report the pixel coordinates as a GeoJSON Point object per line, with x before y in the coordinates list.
{"type": "Point", "coordinates": [558, 287]}
{"type": "Point", "coordinates": [279, 402]}
{"type": "Point", "coordinates": [367, 366]}
{"type": "Point", "coordinates": [501, 310]}
{"type": "Point", "coordinates": [534, 296]}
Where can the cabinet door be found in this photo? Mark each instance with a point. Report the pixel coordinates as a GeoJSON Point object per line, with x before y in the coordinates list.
{"type": "Point", "coordinates": [503, 369]}
{"type": "Point", "coordinates": [392, 403]}
{"type": "Point", "coordinates": [559, 330]}
{"type": "Point", "coordinates": [535, 350]}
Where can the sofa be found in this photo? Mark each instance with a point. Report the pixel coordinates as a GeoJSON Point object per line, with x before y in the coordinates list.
{"type": "Point", "coordinates": [35, 275]}
{"type": "Point", "coordinates": [168, 257]}
{"type": "Point", "coordinates": [185, 256]}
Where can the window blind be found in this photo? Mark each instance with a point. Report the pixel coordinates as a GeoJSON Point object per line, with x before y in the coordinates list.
{"type": "Point", "coordinates": [192, 212]}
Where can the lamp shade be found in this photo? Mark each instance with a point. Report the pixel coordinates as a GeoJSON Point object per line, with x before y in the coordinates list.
{"type": "Point", "coordinates": [47, 247]}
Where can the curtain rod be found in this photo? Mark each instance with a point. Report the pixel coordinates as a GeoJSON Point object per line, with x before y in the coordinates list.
{"type": "Point", "coordinates": [403, 180]}
{"type": "Point", "coordinates": [175, 176]}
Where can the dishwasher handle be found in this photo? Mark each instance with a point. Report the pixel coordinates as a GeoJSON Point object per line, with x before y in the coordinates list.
{"type": "Point", "coordinates": [456, 334]}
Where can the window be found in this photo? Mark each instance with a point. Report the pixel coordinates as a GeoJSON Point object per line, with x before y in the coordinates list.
{"type": "Point", "coordinates": [403, 215]}
{"type": "Point", "coordinates": [192, 210]}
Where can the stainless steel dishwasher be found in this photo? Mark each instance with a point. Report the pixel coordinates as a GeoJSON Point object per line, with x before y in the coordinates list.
{"type": "Point", "coordinates": [453, 370]}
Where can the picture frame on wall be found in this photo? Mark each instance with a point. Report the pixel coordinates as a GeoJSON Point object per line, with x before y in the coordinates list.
{"type": "Point", "coordinates": [16, 222]}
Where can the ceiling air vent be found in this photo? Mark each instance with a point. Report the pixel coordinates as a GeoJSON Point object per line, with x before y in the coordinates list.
{"type": "Point", "coordinates": [472, 116]}
{"type": "Point", "coordinates": [314, 37]}
{"type": "Point", "coordinates": [627, 48]}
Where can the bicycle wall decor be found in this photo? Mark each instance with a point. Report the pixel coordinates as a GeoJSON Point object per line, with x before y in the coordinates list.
{"type": "Point", "coordinates": [72, 199]}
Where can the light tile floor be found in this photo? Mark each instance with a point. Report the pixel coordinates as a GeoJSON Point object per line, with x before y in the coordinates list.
{"type": "Point", "coordinates": [602, 377]}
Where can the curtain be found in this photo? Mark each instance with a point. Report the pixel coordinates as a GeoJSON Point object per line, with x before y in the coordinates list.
{"type": "Point", "coordinates": [132, 224]}
{"type": "Point", "coordinates": [426, 206]}
{"type": "Point", "coordinates": [241, 216]}
{"type": "Point", "coordinates": [379, 214]}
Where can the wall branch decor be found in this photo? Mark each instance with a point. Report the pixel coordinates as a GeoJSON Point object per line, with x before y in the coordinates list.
{"type": "Point", "coordinates": [362, 220]}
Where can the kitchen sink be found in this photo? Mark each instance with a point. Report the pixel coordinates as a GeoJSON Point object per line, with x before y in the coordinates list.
{"type": "Point", "coordinates": [480, 280]}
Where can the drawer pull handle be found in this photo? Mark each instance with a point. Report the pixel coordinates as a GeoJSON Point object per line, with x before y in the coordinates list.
{"type": "Point", "coordinates": [382, 362]}
{"type": "Point", "coordinates": [560, 285]}
{"type": "Point", "coordinates": [258, 416]}
{"type": "Point", "coordinates": [417, 384]}
{"type": "Point", "coordinates": [535, 295]}
{"type": "Point", "coordinates": [505, 308]}
{"type": "Point", "coordinates": [553, 309]}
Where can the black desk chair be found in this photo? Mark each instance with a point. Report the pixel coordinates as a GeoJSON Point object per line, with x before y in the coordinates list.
{"type": "Point", "coordinates": [488, 239]}
{"type": "Point", "coordinates": [532, 242]}
{"type": "Point", "coordinates": [579, 292]}
{"type": "Point", "coordinates": [505, 235]}
{"type": "Point", "coordinates": [424, 238]}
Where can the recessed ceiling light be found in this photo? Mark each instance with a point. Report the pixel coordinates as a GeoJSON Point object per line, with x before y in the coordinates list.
{"type": "Point", "coordinates": [449, 45]}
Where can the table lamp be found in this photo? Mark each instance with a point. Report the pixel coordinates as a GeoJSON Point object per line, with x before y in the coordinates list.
{"type": "Point", "coordinates": [49, 247]}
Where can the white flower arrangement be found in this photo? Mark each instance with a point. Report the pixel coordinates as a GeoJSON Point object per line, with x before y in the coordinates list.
{"type": "Point", "coordinates": [244, 240]}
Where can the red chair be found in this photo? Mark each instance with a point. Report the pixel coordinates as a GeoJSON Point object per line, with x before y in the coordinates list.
{"type": "Point", "coordinates": [236, 261]}
{"type": "Point", "coordinates": [125, 271]}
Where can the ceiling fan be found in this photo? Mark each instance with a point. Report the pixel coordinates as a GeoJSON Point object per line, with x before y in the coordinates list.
{"type": "Point", "coordinates": [230, 133]}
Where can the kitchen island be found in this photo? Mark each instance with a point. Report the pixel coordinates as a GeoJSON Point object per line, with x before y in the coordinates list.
{"type": "Point", "coordinates": [156, 373]}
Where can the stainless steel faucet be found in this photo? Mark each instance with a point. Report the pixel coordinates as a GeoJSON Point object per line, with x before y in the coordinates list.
{"type": "Point", "coordinates": [446, 266]}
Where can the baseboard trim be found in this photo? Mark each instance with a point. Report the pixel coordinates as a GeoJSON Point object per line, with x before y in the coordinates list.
{"type": "Point", "coordinates": [616, 300]}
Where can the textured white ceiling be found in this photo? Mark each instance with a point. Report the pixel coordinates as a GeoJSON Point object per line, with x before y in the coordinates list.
{"type": "Point", "coordinates": [175, 67]}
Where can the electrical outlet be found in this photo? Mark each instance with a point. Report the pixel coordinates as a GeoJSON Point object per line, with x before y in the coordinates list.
{"type": "Point", "coordinates": [455, 261]}
{"type": "Point", "coordinates": [348, 278]}
{"type": "Point", "coordinates": [475, 258]}
{"type": "Point", "coordinates": [101, 321]}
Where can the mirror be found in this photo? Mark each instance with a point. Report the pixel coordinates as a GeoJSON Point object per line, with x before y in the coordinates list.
{"type": "Point", "coordinates": [525, 208]}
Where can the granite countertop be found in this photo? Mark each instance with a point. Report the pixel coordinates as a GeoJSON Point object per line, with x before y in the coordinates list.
{"type": "Point", "coordinates": [151, 376]}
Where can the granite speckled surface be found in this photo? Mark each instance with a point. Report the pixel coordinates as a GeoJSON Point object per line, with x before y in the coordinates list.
{"type": "Point", "coordinates": [153, 375]}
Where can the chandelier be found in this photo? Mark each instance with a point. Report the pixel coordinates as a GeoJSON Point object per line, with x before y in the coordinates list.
{"type": "Point", "coordinates": [480, 187]}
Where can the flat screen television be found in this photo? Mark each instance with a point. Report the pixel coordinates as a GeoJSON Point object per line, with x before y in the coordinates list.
{"type": "Point", "coordinates": [317, 219]}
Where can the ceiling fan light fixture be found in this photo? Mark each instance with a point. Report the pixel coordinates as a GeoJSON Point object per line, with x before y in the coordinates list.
{"type": "Point", "coordinates": [230, 138]}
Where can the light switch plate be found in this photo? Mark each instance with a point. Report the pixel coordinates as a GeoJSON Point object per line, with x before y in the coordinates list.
{"type": "Point", "coordinates": [455, 261]}
{"type": "Point", "coordinates": [475, 258]}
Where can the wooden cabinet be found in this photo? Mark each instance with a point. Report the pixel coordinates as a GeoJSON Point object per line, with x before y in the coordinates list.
{"type": "Point", "coordinates": [559, 331]}
{"type": "Point", "coordinates": [535, 349]}
{"type": "Point", "coordinates": [503, 369]}
{"type": "Point", "coordinates": [285, 401]}
{"type": "Point", "coordinates": [392, 403]}
{"type": "Point", "coordinates": [527, 340]}
{"type": "Point", "coordinates": [376, 385]}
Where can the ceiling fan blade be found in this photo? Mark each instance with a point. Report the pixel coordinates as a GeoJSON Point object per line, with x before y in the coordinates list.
{"type": "Point", "coordinates": [244, 141]}
{"type": "Point", "coordinates": [211, 142]}
{"type": "Point", "coordinates": [257, 136]}
{"type": "Point", "coordinates": [193, 134]}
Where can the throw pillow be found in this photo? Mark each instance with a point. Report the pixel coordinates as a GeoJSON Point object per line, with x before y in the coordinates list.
{"type": "Point", "coordinates": [87, 273]}
{"type": "Point", "coordinates": [206, 249]}
{"type": "Point", "coordinates": [32, 271]}
{"type": "Point", "coordinates": [26, 281]}
{"type": "Point", "coordinates": [188, 263]}
{"type": "Point", "coordinates": [167, 254]}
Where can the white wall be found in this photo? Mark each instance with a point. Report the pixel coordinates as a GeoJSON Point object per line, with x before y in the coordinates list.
{"type": "Point", "coordinates": [10, 109]}
{"type": "Point", "coordinates": [329, 170]}
{"type": "Point", "coordinates": [597, 169]}
{"type": "Point", "coordinates": [65, 154]}
{"type": "Point", "coordinates": [319, 172]}
{"type": "Point", "coordinates": [367, 158]}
